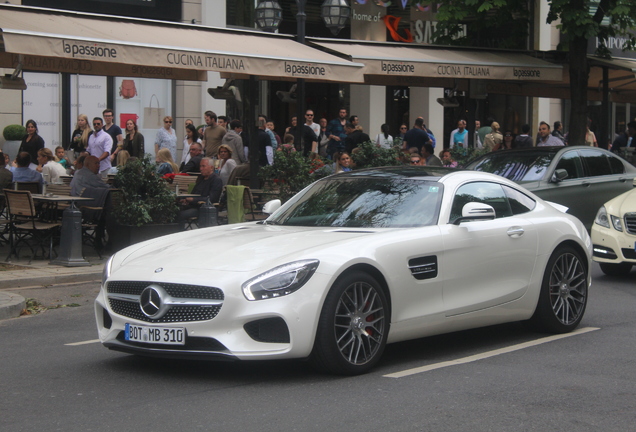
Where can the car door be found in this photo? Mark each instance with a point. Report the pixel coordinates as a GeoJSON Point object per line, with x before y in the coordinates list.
{"type": "Point", "coordinates": [488, 262]}
{"type": "Point", "coordinates": [571, 191]}
{"type": "Point", "coordinates": [605, 180]}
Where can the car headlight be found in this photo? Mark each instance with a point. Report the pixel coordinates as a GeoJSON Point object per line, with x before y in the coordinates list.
{"type": "Point", "coordinates": [601, 218]}
{"type": "Point", "coordinates": [280, 281]}
{"type": "Point", "coordinates": [107, 268]}
{"type": "Point", "coordinates": [616, 221]}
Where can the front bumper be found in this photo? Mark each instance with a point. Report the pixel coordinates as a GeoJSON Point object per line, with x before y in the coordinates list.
{"type": "Point", "coordinates": [282, 327]}
{"type": "Point", "coordinates": [612, 246]}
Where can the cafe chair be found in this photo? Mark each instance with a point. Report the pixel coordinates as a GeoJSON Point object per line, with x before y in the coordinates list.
{"type": "Point", "coordinates": [93, 223]}
{"type": "Point", "coordinates": [185, 183]}
{"type": "Point", "coordinates": [33, 187]}
{"type": "Point", "coordinates": [239, 204]}
{"type": "Point", "coordinates": [25, 227]}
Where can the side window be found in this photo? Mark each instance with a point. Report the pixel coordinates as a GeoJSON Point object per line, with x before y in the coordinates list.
{"type": "Point", "coordinates": [519, 202]}
{"type": "Point", "coordinates": [571, 162]}
{"type": "Point", "coordinates": [482, 192]}
{"type": "Point", "coordinates": [616, 164]}
{"type": "Point", "coordinates": [596, 163]}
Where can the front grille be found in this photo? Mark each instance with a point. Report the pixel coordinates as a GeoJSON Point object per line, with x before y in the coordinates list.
{"type": "Point", "coordinates": [272, 330]}
{"type": "Point", "coordinates": [175, 290]}
{"type": "Point", "coordinates": [191, 344]}
{"type": "Point", "coordinates": [176, 313]}
{"type": "Point", "coordinates": [630, 222]}
{"type": "Point", "coordinates": [629, 253]}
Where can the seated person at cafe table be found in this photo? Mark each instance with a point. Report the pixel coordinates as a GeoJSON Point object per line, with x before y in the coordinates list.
{"type": "Point", "coordinates": [87, 177]}
{"type": "Point", "coordinates": [23, 173]}
{"type": "Point", "coordinates": [208, 185]}
{"type": "Point", "coordinates": [196, 154]}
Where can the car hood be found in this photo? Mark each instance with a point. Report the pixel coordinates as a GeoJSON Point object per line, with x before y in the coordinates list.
{"type": "Point", "coordinates": [624, 203]}
{"type": "Point", "coordinates": [235, 247]}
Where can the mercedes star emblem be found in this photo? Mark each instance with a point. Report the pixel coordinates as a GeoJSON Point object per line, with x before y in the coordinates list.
{"type": "Point", "coordinates": [151, 301]}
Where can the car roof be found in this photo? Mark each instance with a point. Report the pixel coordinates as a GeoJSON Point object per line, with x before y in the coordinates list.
{"type": "Point", "coordinates": [412, 172]}
{"type": "Point", "coordinates": [554, 150]}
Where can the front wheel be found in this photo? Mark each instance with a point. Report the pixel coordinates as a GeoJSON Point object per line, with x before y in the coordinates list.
{"type": "Point", "coordinates": [563, 295]}
{"type": "Point", "coordinates": [611, 269]}
{"type": "Point", "coordinates": [353, 326]}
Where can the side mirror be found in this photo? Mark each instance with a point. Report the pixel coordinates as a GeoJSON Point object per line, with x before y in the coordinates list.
{"type": "Point", "coordinates": [271, 206]}
{"type": "Point", "coordinates": [475, 211]}
{"type": "Point", "coordinates": [559, 175]}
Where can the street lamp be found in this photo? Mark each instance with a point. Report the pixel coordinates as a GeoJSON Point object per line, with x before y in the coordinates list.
{"type": "Point", "coordinates": [269, 14]}
{"type": "Point", "coordinates": [334, 13]}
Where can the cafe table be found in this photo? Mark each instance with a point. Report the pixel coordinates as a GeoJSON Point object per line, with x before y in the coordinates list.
{"type": "Point", "coordinates": [70, 252]}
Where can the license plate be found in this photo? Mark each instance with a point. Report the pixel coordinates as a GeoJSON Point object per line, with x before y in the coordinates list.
{"type": "Point", "coordinates": [155, 335]}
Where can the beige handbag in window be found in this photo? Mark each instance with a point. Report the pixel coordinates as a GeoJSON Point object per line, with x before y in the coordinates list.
{"type": "Point", "coordinates": [153, 116]}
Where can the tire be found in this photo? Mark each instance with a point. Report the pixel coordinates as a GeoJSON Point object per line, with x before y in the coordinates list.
{"type": "Point", "coordinates": [353, 326]}
{"type": "Point", "coordinates": [621, 269]}
{"type": "Point", "coordinates": [563, 295]}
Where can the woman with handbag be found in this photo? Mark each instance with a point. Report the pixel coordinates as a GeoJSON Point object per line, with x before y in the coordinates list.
{"type": "Point", "coordinates": [32, 142]}
{"type": "Point", "coordinates": [167, 138]}
{"type": "Point", "coordinates": [82, 131]}
{"type": "Point", "coordinates": [134, 141]}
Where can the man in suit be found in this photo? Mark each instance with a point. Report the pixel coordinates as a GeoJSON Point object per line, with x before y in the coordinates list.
{"type": "Point", "coordinates": [196, 154]}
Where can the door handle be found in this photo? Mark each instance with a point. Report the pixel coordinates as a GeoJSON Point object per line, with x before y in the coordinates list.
{"type": "Point", "coordinates": [622, 179]}
{"type": "Point", "coordinates": [515, 232]}
{"type": "Point", "coordinates": [585, 184]}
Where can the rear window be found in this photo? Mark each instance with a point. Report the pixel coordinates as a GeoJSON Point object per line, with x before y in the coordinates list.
{"type": "Point", "coordinates": [596, 163]}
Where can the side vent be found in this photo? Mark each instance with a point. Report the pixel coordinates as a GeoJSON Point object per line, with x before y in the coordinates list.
{"type": "Point", "coordinates": [423, 267]}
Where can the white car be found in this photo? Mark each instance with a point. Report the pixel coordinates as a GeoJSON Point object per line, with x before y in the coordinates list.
{"type": "Point", "coordinates": [352, 262]}
{"type": "Point", "coordinates": [614, 235]}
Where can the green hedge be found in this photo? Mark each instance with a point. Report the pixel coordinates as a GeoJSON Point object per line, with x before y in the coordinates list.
{"type": "Point", "coordinates": [14, 132]}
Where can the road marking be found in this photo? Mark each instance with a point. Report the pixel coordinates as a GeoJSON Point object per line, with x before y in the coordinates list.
{"type": "Point", "coordinates": [489, 353]}
{"type": "Point", "coordinates": [83, 342]}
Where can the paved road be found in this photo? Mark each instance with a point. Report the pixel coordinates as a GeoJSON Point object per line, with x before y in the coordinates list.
{"type": "Point", "coordinates": [584, 382]}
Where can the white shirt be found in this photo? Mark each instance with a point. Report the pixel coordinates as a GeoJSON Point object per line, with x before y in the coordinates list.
{"type": "Point", "coordinates": [51, 171]}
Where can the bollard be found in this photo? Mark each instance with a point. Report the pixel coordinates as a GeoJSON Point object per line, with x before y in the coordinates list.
{"type": "Point", "coordinates": [207, 215]}
{"type": "Point", "coordinates": [70, 253]}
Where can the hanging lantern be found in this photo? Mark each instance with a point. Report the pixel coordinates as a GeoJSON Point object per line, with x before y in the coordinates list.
{"type": "Point", "coordinates": [335, 14]}
{"type": "Point", "coordinates": [269, 14]}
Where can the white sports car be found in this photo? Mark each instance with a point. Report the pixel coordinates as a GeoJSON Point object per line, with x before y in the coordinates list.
{"type": "Point", "coordinates": [614, 235]}
{"type": "Point", "coordinates": [351, 263]}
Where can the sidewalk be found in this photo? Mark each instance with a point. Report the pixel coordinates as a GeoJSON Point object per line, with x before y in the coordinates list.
{"type": "Point", "coordinates": [39, 273]}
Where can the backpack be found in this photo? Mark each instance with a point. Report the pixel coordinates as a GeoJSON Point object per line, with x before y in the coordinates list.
{"type": "Point", "coordinates": [127, 90]}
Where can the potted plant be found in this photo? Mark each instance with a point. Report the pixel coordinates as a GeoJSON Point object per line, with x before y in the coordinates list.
{"type": "Point", "coordinates": [13, 135]}
{"type": "Point", "coordinates": [146, 207]}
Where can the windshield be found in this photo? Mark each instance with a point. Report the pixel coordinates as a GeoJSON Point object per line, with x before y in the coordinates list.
{"type": "Point", "coordinates": [366, 202]}
{"type": "Point", "coordinates": [515, 166]}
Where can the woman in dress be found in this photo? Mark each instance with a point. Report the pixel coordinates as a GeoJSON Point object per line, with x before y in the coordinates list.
{"type": "Point", "coordinates": [134, 140]}
{"type": "Point", "coordinates": [343, 162]}
{"type": "Point", "coordinates": [167, 138]}
{"type": "Point", "coordinates": [227, 163]}
{"type": "Point", "coordinates": [51, 170]}
{"type": "Point", "coordinates": [192, 136]}
{"type": "Point", "coordinates": [383, 139]}
{"type": "Point", "coordinates": [32, 142]}
{"type": "Point", "coordinates": [165, 162]}
{"type": "Point", "coordinates": [590, 138]}
{"type": "Point", "coordinates": [82, 131]}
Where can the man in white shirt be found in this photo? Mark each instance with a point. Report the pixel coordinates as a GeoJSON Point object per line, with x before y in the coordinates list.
{"type": "Point", "coordinates": [309, 121]}
{"type": "Point", "coordinates": [546, 138]}
{"type": "Point", "coordinates": [99, 145]}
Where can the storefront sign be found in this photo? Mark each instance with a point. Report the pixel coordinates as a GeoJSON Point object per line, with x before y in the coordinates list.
{"type": "Point", "coordinates": [615, 46]}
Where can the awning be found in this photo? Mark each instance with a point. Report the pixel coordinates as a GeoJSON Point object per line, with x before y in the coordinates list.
{"type": "Point", "coordinates": [417, 61]}
{"type": "Point", "coordinates": [83, 43]}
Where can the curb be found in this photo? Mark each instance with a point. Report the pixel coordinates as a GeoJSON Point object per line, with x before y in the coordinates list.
{"type": "Point", "coordinates": [50, 280]}
{"type": "Point", "coordinates": [11, 305]}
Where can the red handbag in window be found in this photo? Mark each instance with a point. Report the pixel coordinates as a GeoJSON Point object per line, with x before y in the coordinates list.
{"type": "Point", "coordinates": [127, 89]}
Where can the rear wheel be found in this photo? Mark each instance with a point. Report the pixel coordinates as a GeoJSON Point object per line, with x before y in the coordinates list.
{"type": "Point", "coordinates": [353, 326]}
{"type": "Point", "coordinates": [621, 269]}
{"type": "Point", "coordinates": [563, 296]}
